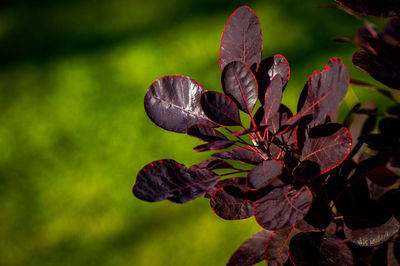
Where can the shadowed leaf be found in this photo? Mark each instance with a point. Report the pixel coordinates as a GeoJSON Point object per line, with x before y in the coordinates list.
{"type": "Point", "coordinates": [215, 145]}
{"type": "Point", "coordinates": [228, 181]}
{"type": "Point", "coordinates": [264, 174]}
{"type": "Point", "coordinates": [243, 154]}
{"type": "Point", "coordinates": [273, 98]}
{"type": "Point", "coordinates": [277, 249]}
{"type": "Point", "coordinates": [211, 164]}
{"type": "Point", "coordinates": [382, 8]}
{"type": "Point", "coordinates": [205, 133]}
{"type": "Point", "coordinates": [220, 108]}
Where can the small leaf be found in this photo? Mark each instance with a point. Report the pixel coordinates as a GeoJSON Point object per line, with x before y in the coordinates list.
{"type": "Point", "coordinates": [220, 108]}
{"type": "Point", "coordinates": [240, 85]}
{"type": "Point", "coordinates": [326, 147]}
{"type": "Point", "coordinates": [264, 174]}
{"type": "Point", "coordinates": [283, 207]}
{"type": "Point", "coordinates": [324, 91]}
{"type": "Point", "coordinates": [273, 98]}
{"type": "Point", "coordinates": [252, 251]}
{"type": "Point", "coordinates": [269, 68]}
{"type": "Point", "coordinates": [215, 145]}
{"type": "Point", "coordinates": [205, 133]}
{"type": "Point", "coordinates": [211, 164]}
{"type": "Point", "coordinates": [172, 103]}
{"type": "Point", "coordinates": [277, 249]}
{"type": "Point", "coordinates": [241, 39]}
{"type": "Point", "coordinates": [383, 8]}
{"type": "Point", "coordinates": [167, 179]}
{"type": "Point", "coordinates": [231, 207]}
{"type": "Point", "coordinates": [317, 248]}
{"type": "Point", "coordinates": [244, 154]}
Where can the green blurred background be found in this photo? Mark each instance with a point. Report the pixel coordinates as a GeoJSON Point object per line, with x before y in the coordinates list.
{"type": "Point", "coordinates": [74, 134]}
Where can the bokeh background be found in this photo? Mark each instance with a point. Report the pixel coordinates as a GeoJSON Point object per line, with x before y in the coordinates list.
{"type": "Point", "coordinates": [74, 134]}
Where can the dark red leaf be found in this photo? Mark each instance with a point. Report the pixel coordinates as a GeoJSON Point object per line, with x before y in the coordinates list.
{"type": "Point", "coordinates": [372, 236]}
{"type": "Point", "coordinates": [215, 145]}
{"type": "Point", "coordinates": [273, 98]}
{"type": "Point", "coordinates": [167, 179]}
{"type": "Point", "coordinates": [324, 149]}
{"type": "Point", "coordinates": [277, 249]}
{"type": "Point", "coordinates": [247, 155]}
{"type": "Point", "coordinates": [269, 68]}
{"type": "Point", "coordinates": [382, 176]}
{"type": "Point", "coordinates": [232, 207]}
{"type": "Point", "coordinates": [205, 133]}
{"type": "Point", "coordinates": [228, 181]}
{"type": "Point", "coordinates": [240, 85]}
{"type": "Point", "coordinates": [317, 248]}
{"type": "Point", "coordinates": [220, 108]}
{"type": "Point", "coordinates": [241, 39]}
{"type": "Point", "coordinates": [211, 164]}
{"type": "Point", "coordinates": [324, 91]}
{"type": "Point", "coordinates": [252, 251]}
{"type": "Point", "coordinates": [382, 8]}
{"type": "Point", "coordinates": [264, 174]}
{"type": "Point", "coordinates": [283, 207]}
{"type": "Point", "coordinates": [173, 103]}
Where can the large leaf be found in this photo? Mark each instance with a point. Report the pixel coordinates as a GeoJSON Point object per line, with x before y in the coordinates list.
{"type": "Point", "coordinates": [247, 155]}
{"type": "Point", "coordinates": [277, 249]}
{"type": "Point", "coordinates": [283, 207]}
{"type": "Point", "coordinates": [269, 68]}
{"type": "Point", "coordinates": [240, 85]}
{"type": "Point", "coordinates": [167, 179]}
{"type": "Point", "coordinates": [317, 248]}
{"type": "Point", "coordinates": [173, 103]}
{"type": "Point", "coordinates": [326, 147]}
{"type": "Point", "coordinates": [252, 251]}
{"type": "Point", "coordinates": [324, 91]}
{"type": "Point", "coordinates": [230, 206]}
{"type": "Point", "coordinates": [264, 174]}
{"type": "Point", "coordinates": [220, 108]}
{"type": "Point", "coordinates": [241, 39]}
{"type": "Point", "coordinates": [205, 133]}
{"type": "Point", "coordinates": [381, 8]}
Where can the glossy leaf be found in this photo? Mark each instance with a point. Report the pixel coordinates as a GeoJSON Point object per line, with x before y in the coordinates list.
{"type": "Point", "coordinates": [239, 83]}
{"type": "Point", "coordinates": [241, 39]}
{"type": "Point", "coordinates": [382, 8]}
{"type": "Point", "coordinates": [372, 236]}
{"type": "Point", "coordinates": [229, 206]}
{"type": "Point", "coordinates": [277, 249]}
{"type": "Point", "coordinates": [244, 154]}
{"type": "Point", "coordinates": [283, 207]}
{"type": "Point", "coordinates": [211, 164]}
{"type": "Point", "coordinates": [215, 145]}
{"type": "Point", "coordinates": [323, 92]}
{"type": "Point", "coordinates": [252, 251]}
{"type": "Point", "coordinates": [264, 174]}
{"type": "Point", "coordinates": [324, 149]}
{"type": "Point", "coordinates": [173, 103]}
{"type": "Point", "coordinates": [220, 108]}
{"type": "Point", "coordinates": [269, 68]}
{"type": "Point", "coordinates": [167, 179]}
{"type": "Point", "coordinates": [273, 98]}
{"type": "Point", "coordinates": [315, 248]}
{"type": "Point", "coordinates": [205, 133]}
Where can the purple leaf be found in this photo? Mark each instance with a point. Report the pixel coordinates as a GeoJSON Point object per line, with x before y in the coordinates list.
{"type": "Point", "coordinates": [240, 85]}
{"type": "Point", "coordinates": [244, 154]}
{"type": "Point", "coordinates": [205, 133]}
{"type": "Point", "coordinates": [283, 115]}
{"type": "Point", "coordinates": [372, 236]}
{"type": "Point", "coordinates": [326, 147]}
{"type": "Point", "coordinates": [229, 206]}
{"type": "Point", "coordinates": [211, 164]}
{"type": "Point", "coordinates": [273, 98]}
{"type": "Point", "coordinates": [223, 182]}
{"type": "Point", "coordinates": [317, 248]}
{"type": "Point", "coordinates": [283, 207]}
{"type": "Point", "coordinates": [382, 8]}
{"type": "Point", "coordinates": [277, 249]}
{"type": "Point", "coordinates": [252, 251]}
{"type": "Point", "coordinates": [269, 68]}
{"type": "Point", "coordinates": [324, 91]}
{"type": "Point", "coordinates": [264, 174]}
{"type": "Point", "coordinates": [173, 103]}
{"type": "Point", "coordinates": [167, 179]}
{"type": "Point", "coordinates": [241, 39]}
{"type": "Point", "coordinates": [220, 108]}
{"type": "Point", "coordinates": [215, 145]}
